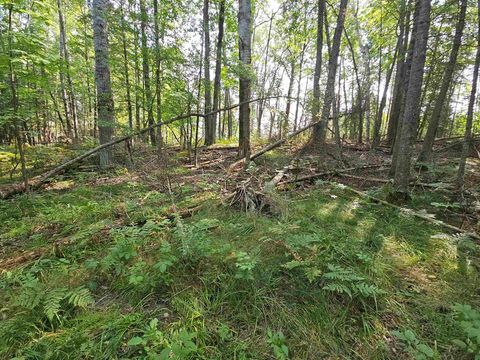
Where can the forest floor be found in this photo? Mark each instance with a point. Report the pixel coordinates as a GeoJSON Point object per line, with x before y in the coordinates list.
{"type": "Point", "coordinates": [162, 261]}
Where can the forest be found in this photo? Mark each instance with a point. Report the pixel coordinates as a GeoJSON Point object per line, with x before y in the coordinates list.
{"type": "Point", "coordinates": [220, 179]}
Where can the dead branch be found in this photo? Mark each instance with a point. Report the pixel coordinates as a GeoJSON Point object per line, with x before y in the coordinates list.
{"type": "Point", "coordinates": [329, 172]}
{"type": "Point", "coordinates": [43, 178]}
{"type": "Point", "coordinates": [413, 213]}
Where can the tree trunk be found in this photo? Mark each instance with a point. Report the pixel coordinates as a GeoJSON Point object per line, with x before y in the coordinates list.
{"type": "Point", "coordinates": [158, 74]}
{"type": "Point", "coordinates": [106, 121]}
{"type": "Point", "coordinates": [319, 131]}
{"type": "Point", "coordinates": [218, 71]}
{"type": "Point", "coordinates": [426, 152]}
{"type": "Point", "coordinates": [286, 122]}
{"type": "Point", "coordinates": [398, 91]}
{"type": "Point", "coordinates": [468, 139]}
{"type": "Point", "coordinates": [146, 72]}
{"type": "Point", "coordinates": [318, 62]}
{"type": "Point", "coordinates": [19, 137]}
{"type": "Point", "coordinates": [297, 105]}
{"type": "Point", "coordinates": [412, 100]}
{"type": "Point", "coordinates": [125, 70]}
{"type": "Point", "coordinates": [244, 45]}
{"type": "Point", "coordinates": [65, 59]}
{"type": "Point", "coordinates": [379, 118]}
{"type": "Point", "coordinates": [206, 64]}
{"type": "Point", "coordinates": [261, 103]}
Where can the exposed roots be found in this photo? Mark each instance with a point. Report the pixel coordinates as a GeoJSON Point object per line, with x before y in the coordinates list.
{"type": "Point", "coordinates": [245, 198]}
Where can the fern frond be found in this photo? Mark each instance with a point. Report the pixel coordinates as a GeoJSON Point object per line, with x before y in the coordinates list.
{"type": "Point", "coordinates": [80, 297]}
{"type": "Point", "coordinates": [51, 303]}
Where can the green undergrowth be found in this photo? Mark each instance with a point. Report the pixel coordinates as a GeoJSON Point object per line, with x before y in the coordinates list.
{"type": "Point", "coordinates": [329, 276]}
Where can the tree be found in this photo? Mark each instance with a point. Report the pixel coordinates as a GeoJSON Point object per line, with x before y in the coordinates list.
{"type": "Point", "coordinates": [412, 98]}
{"type": "Point", "coordinates": [106, 120]}
{"type": "Point", "coordinates": [206, 63]}
{"type": "Point", "coordinates": [244, 46]}
{"type": "Point", "coordinates": [468, 138]}
{"type": "Point", "coordinates": [426, 151]}
{"type": "Point", "coordinates": [218, 72]}
{"type": "Point", "coordinates": [319, 131]}
{"type": "Point", "coordinates": [146, 71]}
{"type": "Point", "coordinates": [318, 62]}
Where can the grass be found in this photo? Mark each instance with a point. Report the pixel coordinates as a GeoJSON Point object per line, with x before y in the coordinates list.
{"type": "Point", "coordinates": [330, 276]}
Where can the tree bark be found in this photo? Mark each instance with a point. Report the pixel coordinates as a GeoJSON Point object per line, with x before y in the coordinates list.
{"type": "Point", "coordinates": [105, 109]}
{"type": "Point", "coordinates": [412, 100]}
{"type": "Point", "coordinates": [244, 45]}
{"type": "Point", "coordinates": [426, 152]}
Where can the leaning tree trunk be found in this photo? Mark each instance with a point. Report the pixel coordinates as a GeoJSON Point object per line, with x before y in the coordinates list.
{"type": "Point", "coordinates": [468, 140]}
{"type": "Point", "coordinates": [412, 100]}
{"type": "Point", "coordinates": [146, 72]}
{"type": "Point", "coordinates": [245, 55]}
{"type": "Point", "coordinates": [218, 72]}
{"type": "Point", "coordinates": [319, 131]}
{"type": "Point", "coordinates": [426, 152]}
{"type": "Point", "coordinates": [105, 108]}
{"type": "Point", "coordinates": [206, 64]}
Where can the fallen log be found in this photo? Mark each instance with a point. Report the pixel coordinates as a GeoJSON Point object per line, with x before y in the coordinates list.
{"type": "Point", "coordinates": [272, 146]}
{"type": "Point", "coordinates": [412, 212]}
{"type": "Point", "coordinates": [329, 172]}
{"type": "Point", "coordinates": [43, 178]}
{"type": "Point", "coordinates": [413, 182]}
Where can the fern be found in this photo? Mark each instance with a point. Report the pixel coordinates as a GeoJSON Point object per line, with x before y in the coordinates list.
{"type": "Point", "coordinates": [52, 302]}
{"type": "Point", "coordinates": [80, 297]}
{"type": "Point", "coordinates": [344, 281]}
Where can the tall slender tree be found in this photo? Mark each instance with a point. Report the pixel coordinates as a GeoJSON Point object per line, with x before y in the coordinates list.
{"type": "Point", "coordinates": [319, 130]}
{"type": "Point", "coordinates": [412, 99]}
{"type": "Point", "coordinates": [218, 71]}
{"type": "Point", "coordinates": [106, 119]}
{"type": "Point", "coordinates": [245, 54]}
{"type": "Point", "coordinates": [426, 151]}
{"type": "Point", "coordinates": [206, 76]}
{"type": "Point", "coordinates": [468, 138]}
{"type": "Point", "coordinates": [146, 72]}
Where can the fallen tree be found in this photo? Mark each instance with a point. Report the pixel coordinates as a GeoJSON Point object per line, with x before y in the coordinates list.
{"type": "Point", "coordinates": [36, 183]}
{"type": "Point", "coordinates": [413, 213]}
{"type": "Point", "coordinates": [276, 144]}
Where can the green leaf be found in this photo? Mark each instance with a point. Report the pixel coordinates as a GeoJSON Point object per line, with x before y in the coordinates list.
{"type": "Point", "coordinates": [425, 349]}
{"type": "Point", "coordinates": [137, 340]}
